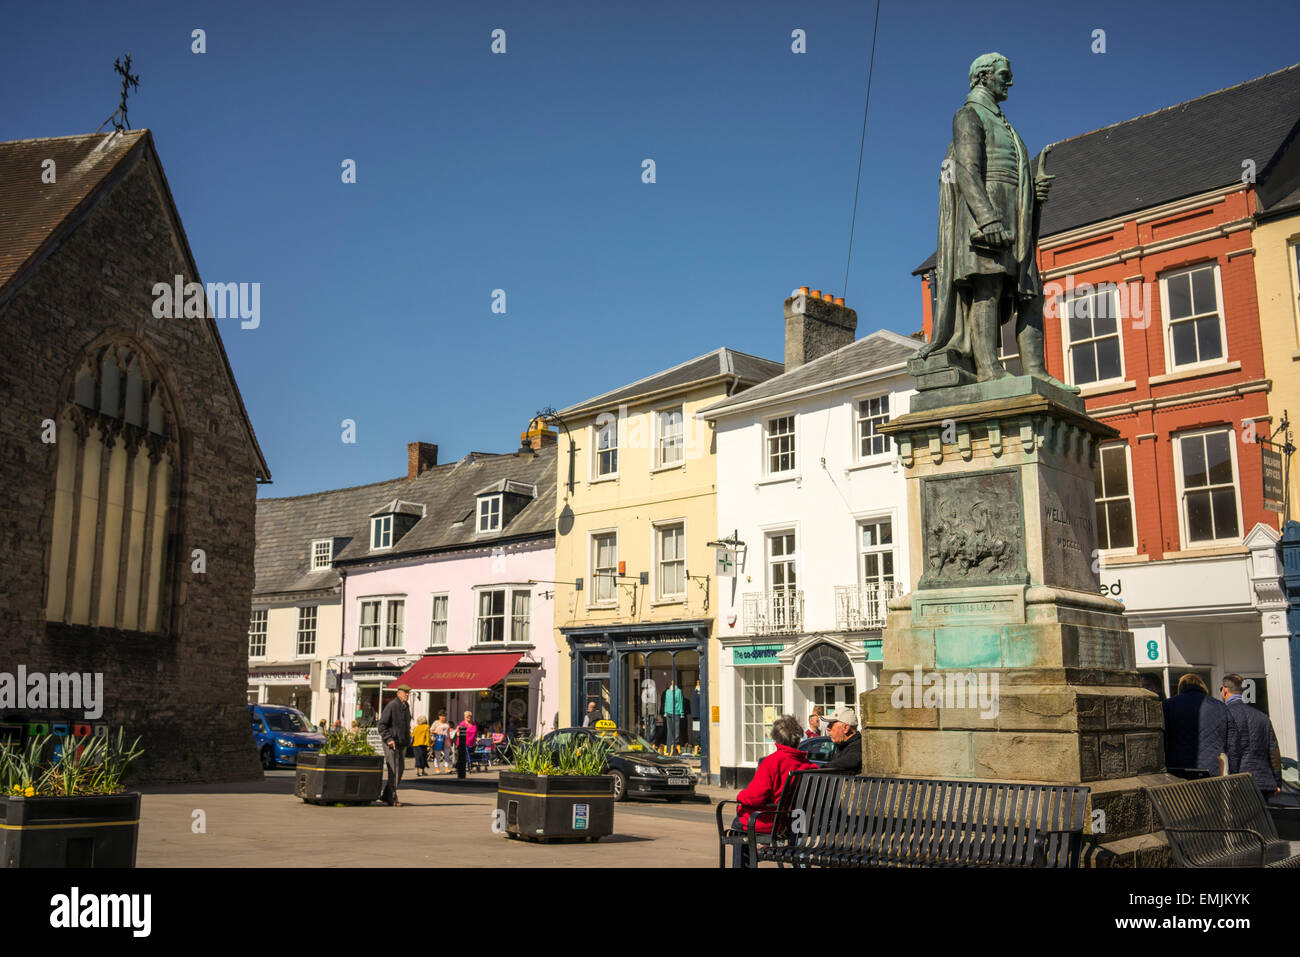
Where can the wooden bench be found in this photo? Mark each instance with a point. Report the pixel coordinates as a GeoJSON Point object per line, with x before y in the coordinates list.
{"type": "Point", "coordinates": [1221, 822]}
{"type": "Point", "coordinates": [831, 820]}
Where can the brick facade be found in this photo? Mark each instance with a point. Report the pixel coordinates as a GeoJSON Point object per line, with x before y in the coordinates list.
{"type": "Point", "coordinates": [182, 691]}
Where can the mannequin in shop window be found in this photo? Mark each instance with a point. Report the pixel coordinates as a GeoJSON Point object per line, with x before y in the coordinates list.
{"type": "Point", "coordinates": [673, 710]}
{"type": "Point", "coordinates": [649, 706]}
{"type": "Point", "coordinates": [696, 718]}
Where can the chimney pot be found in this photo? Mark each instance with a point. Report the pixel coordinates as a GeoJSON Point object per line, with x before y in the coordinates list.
{"type": "Point", "coordinates": [828, 297]}
{"type": "Point", "coordinates": [839, 300]}
{"type": "Point", "coordinates": [816, 293]}
{"type": "Point", "coordinates": [803, 290]}
{"type": "Point", "coordinates": [537, 438]}
{"type": "Point", "coordinates": [420, 457]}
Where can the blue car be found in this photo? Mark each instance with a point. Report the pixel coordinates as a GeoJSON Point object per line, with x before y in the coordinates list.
{"type": "Point", "coordinates": [281, 733]}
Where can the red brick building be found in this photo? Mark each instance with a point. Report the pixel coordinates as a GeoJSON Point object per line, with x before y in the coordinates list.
{"type": "Point", "coordinates": [1147, 260]}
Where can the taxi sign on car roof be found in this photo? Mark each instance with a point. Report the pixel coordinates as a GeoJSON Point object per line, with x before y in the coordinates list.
{"type": "Point", "coordinates": [604, 724]}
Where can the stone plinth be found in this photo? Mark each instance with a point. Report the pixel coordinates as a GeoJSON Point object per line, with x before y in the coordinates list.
{"type": "Point", "coordinates": [1005, 662]}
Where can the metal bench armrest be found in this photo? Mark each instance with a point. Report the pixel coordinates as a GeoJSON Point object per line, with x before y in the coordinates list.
{"type": "Point", "coordinates": [722, 828]}
{"type": "Point", "coordinates": [1263, 842]}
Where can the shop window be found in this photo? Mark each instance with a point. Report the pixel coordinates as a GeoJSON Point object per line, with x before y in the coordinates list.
{"type": "Point", "coordinates": [1194, 321]}
{"type": "Point", "coordinates": [762, 702]}
{"type": "Point", "coordinates": [872, 414]}
{"type": "Point", "coordinates": [306, 643]}
{"type": "Point", "coordinates": [1208, 487]}
{"type": "Point", "coordinates": [1094, 349]}
{"type": "Point", "coordinates": [257, 634]}
{"type": "Point", "coordinates": [1114, 498]}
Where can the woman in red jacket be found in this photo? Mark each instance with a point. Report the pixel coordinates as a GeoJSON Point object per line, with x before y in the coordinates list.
{"type": "Point", "coordinates": [770, 776]}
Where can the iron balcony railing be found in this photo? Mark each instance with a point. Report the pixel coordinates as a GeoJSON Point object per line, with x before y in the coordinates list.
{"type": "Point", "coordinates": [776, 612]}
{"type": "Point", "coordinates": [863, 606]}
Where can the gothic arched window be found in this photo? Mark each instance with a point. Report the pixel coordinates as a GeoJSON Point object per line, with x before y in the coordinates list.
{"type": "Point", "coordinates": [114, 496]}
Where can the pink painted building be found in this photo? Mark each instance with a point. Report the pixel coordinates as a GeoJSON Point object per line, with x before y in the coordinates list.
{"type": "Point", "coordinates": [445, 583]}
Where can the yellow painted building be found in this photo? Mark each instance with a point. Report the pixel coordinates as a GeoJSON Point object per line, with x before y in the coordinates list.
{"type": "Point", "coordinates": [1276, 241]}
{"type": "Point", "coordinates": [636, 593]}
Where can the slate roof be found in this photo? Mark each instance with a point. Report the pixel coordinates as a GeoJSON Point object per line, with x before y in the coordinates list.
{"type": "Point", "coordinates": [31, 210]}
{"type": "Point", "coordinates": [881, 348]}
{"type": "Point", "coordinates": [286, 527]}
{"type": "Point", "coordinates": [750, 370]}
{"type": "Point", "coordinates": [1179, 151]}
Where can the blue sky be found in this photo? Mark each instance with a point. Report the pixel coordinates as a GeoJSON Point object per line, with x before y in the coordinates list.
{"type": "Point", "coordinates": [522, 172]}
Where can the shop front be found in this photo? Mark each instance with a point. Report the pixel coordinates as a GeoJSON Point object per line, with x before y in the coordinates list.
{"type": "Point", "coordinates": [284, 684]}
{"type": "Point", "coordinates": [764, 678]}
{"type": "Point", "coordinates": [501, 691]}
{"type": "Point", "coordinates": [649, 679]}
{"type": "Point", "coordinates": [366, 690]}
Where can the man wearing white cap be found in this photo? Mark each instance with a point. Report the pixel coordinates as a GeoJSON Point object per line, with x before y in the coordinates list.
{"type": "Point", "coordinates": [848, 743]}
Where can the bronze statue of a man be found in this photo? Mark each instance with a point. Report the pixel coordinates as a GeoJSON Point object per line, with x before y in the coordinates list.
{"type": "Point", "coordinates": [989, 208]}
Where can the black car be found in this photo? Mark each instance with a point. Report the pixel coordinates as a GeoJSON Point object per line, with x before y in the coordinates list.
{"type": "Point", "coordinates": [637, 768]}
{"type": "Point", "coordinates": [819, 750]}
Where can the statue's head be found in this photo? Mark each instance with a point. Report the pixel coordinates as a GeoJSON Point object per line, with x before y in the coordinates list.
{"type": "Point", "coordinates": [993, 72]}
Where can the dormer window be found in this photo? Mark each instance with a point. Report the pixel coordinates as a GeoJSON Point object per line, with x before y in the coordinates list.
{"type": "Point", "coordinates": [489, 513]}
{"type": "Point", "coordinates": [322, 554]}
{"type": "Point", "coordinates": [499, 503]}
{"type": "Point", "coordinates": [381, 532]}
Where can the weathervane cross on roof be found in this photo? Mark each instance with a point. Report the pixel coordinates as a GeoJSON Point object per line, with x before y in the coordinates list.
{"type": "Point", "coordinates": [130, 81]}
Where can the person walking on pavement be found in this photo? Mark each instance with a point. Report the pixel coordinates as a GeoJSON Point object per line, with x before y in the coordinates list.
{"type": "Point", "coordinates": [441, 745]}
{"type": "Point", "coordinates": [1196, 729]}
{"type": "Point", "coordinates": [394, 728]}
{"type": "Point", "coordinates": [466, 731]}
{"type": "Point", "coordinates": [420, 745]}
{"type": "Point", "coordinates": [592, 716]}
{"type": "Point", "coordinates": [1252, 745]}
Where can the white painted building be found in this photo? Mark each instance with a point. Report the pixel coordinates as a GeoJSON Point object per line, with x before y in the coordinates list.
{"type": "Point", "coordinates": [816, 497]}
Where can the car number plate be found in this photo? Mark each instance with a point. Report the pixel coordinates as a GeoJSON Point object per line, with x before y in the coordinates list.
{"type": "Point", "coordinates": [679, 781]}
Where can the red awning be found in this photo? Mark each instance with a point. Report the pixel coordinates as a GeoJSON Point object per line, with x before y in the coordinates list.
{"type": "Point", "coordinates": [457, 672]}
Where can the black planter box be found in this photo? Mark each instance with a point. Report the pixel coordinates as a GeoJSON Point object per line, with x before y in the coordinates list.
{"type": "Point", "coordinates": [339, 778]}
{"type": "Point", "coordinates": [99, 830]}
{"type": "Point", "coordinates": [556, 807]}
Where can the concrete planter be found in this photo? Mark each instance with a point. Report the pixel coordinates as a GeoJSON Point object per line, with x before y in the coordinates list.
{"type": "Point", "coordinates": [99, 830]}
{"type": "Point", "coordinates": [567, 808]}
{"type": "Point", "coordinates": [339, 778]}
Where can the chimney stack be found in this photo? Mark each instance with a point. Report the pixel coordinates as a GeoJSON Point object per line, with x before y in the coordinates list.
{"type": "Point", "coordinates": [537, 437]}
{"type": "Point", "coordinates": [816, 324]}
{"type": "Point", "coordinates": [420, 457]}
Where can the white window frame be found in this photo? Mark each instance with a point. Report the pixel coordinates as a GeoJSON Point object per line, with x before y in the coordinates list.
{"type": "Point", "coordinates": [485, 510]}
{"type": "Point", "coordinates": [596, 429]}
{"type": "Point", "coordinates": [434, 621]}
{"type": "Point", "coordinates": [300, 631]}
{"type": "Point", "coordinates": [383, 623]}
{"type": "Point", "coordinates": [1063, 307]}
{"type": "Point", "coordinates": [659, 461]}
{"type": "Point", "coordinates": [769, 437]}
{"type": "Point", "coordinates": [1132, 502]}
{"type": "Point", "coordinates": [254, 632]}
{"type": "Point", "coordinates": [316, 564]}
{"type": "Point", "coordinates": [508, 617]}
{"type": "Point", "coordinates": [381, 526]}
{"type": "Point", "coordinates": [858, 418]}
{"type": "Point", "coordinates": [593, 601]}
{"type": "Point", "coordinates": [1166, 320]}
{"type": "Point", "coordinates": [656, 560]}
{"type": "Point", "coordinates": [863, 550]}
{"type": "Point", "coordinates": [791, 560]}
{"type": "Point", "coordinates": [1183, 529]}
{"type": "Point", "coordinates": [754, 741]}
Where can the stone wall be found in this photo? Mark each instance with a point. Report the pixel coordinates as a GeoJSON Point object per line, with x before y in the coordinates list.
{"type": "Point", "coordinates": [183, 692]}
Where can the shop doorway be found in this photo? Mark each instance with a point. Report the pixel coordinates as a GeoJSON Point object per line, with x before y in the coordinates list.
{"type": "Point", "coordinates": [824, 678]}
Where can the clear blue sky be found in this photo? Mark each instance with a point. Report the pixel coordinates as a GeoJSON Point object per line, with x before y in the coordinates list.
{"type": "Point", "coordinates": [523, 172]}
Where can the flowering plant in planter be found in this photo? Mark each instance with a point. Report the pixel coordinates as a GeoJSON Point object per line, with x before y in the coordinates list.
{"type": "Point", "coordinates": [63, 803]}
{"type": "Point", "coordinates": [346, 770]}
{"type": "Point", "coordinates": [557, 793]}
{"type": "Point", "coordinates": [346, 742]}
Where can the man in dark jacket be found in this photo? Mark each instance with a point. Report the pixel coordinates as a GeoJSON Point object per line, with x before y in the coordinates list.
{"type": "Point", "coordinates": [848, 742]}
{"type": "Point", "coordinates": [394, 728]}
{"type": "Point", "coordinates": [1196, 728]}
{"type": "Point", "coordinates": [1252, 745]}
